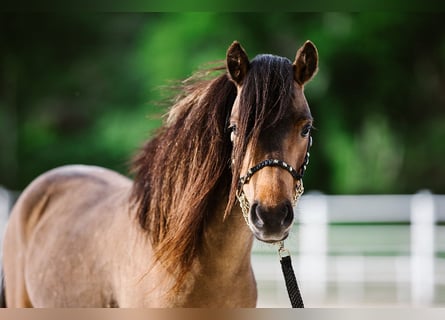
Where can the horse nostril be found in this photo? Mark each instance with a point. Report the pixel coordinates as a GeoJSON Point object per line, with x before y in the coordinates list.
{"type": "Point", "coordinates": [255, 214]}
{"type": "Point", "coordinates": [288, 214]}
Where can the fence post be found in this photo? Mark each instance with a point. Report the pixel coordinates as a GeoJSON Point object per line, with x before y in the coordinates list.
{"type": "Point", "coordinates": [5, 203]}
{"type": "Point", "coordinates": [423, 222]}
{"type": "Point", "coordinates": [313, 232]}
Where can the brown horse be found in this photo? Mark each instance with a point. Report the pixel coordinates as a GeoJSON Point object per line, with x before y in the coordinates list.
{"type": "Point", "coordinates": [86, 236]}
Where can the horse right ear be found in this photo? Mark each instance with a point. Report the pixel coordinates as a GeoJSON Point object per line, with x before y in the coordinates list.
{"type": "Point", "coordinates": [306, 63]}
{"type": "Point", "coordinates": [237, 63]}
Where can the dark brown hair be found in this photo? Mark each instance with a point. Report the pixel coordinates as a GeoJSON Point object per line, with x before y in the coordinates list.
{"type": "Point", "coordinates": [185, 170]}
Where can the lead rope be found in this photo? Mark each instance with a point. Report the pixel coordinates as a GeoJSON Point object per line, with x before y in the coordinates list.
{"type": "Point", "coordinates": [286, 263]}
{"type": "Point", "coordinates": [289, 277]}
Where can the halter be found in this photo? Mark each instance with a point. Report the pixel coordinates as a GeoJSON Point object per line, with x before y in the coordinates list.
{"type": "Point", "coordinates": [285, 259]}
{"type": "Point", "coordinates": [297, 175]}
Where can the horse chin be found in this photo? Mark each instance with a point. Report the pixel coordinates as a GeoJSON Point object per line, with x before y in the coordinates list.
{"type": "Point", "coordinates": [270, 238]}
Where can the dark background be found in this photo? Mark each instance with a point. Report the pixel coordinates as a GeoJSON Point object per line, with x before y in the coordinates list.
{"type": "Point", "coordinates": [85, 88]}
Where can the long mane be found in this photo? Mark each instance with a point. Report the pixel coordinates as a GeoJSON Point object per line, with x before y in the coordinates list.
{"type": "Point", "coordinates": [186, 169]}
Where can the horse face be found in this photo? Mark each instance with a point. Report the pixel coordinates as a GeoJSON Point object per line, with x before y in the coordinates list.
{"type": "Point", "coordinates": [270, 131]}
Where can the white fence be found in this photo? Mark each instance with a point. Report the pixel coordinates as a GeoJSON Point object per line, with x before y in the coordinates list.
{"type": "Point", "coordinates": [362, 250]}
{"type": "Point", "coordinates": [367, 250]}
{"type": "Point", "coordinates": [6, 200]}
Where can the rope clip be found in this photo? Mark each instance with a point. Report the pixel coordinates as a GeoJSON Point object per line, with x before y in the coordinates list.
{"type": "Point", "coordinates": [282, 251]}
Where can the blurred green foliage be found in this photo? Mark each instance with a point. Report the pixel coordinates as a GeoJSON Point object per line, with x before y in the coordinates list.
{"type": "Point", "coordinates": [85, 88]}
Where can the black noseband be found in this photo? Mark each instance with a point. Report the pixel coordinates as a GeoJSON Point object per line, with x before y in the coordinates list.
{"type": "Point", "coordinates": [297, 175]}
{"type": "Point", "coordinates": [270, 163]}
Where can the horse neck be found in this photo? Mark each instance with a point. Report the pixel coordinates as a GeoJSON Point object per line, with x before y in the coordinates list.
{"type": "Point", "coordinates": [222, 274]}
{"type": "Point", "coordinates": [227, 239]}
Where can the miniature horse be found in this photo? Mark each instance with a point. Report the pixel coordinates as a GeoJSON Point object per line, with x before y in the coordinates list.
{"type": "Point", "coordinates": [84, 236]}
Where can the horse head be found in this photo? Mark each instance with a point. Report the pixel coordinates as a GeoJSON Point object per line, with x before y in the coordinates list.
{"type": "Point", "coordinates": [270, 126]}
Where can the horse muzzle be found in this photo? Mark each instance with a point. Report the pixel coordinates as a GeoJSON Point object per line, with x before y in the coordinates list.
{"type": "Point", "coordinates": [271, 224]}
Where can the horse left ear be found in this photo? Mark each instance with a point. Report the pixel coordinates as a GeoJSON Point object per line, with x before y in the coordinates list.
{"type": "Point", "coordinates": [306, 63]}
{"type": "Point", "coordinates": [237, 63]}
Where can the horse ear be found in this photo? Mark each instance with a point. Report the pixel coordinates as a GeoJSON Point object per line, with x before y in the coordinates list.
{"type": "Point", "coordinates": [237, 63]}
{"type": "Point", "coordinates": [306, 63]}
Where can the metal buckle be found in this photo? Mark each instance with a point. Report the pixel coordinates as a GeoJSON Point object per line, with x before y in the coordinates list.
{"type": "Point", "coordinates": [282, 251]}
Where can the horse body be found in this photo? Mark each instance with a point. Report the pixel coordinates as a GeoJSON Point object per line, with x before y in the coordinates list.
{"type": "Point", "coordinates": [94, 203]}
{"type": "Point", "coordinates": [82, 236]}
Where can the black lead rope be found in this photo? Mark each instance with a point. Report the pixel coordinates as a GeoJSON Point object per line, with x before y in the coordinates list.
{"type": "Point", "coordinates": [289, 277]}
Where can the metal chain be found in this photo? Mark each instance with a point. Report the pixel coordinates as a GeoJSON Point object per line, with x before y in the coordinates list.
{"type": "Point", "coordinates": [299, 190]}
{"type": "Point", "coordinates": [244, 204]}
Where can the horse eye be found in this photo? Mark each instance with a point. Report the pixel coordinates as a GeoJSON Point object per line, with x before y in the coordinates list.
{"type": "Point", "coordinates": [232, 130]}
{"type": "Point", "coordinates": [306, 131]}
